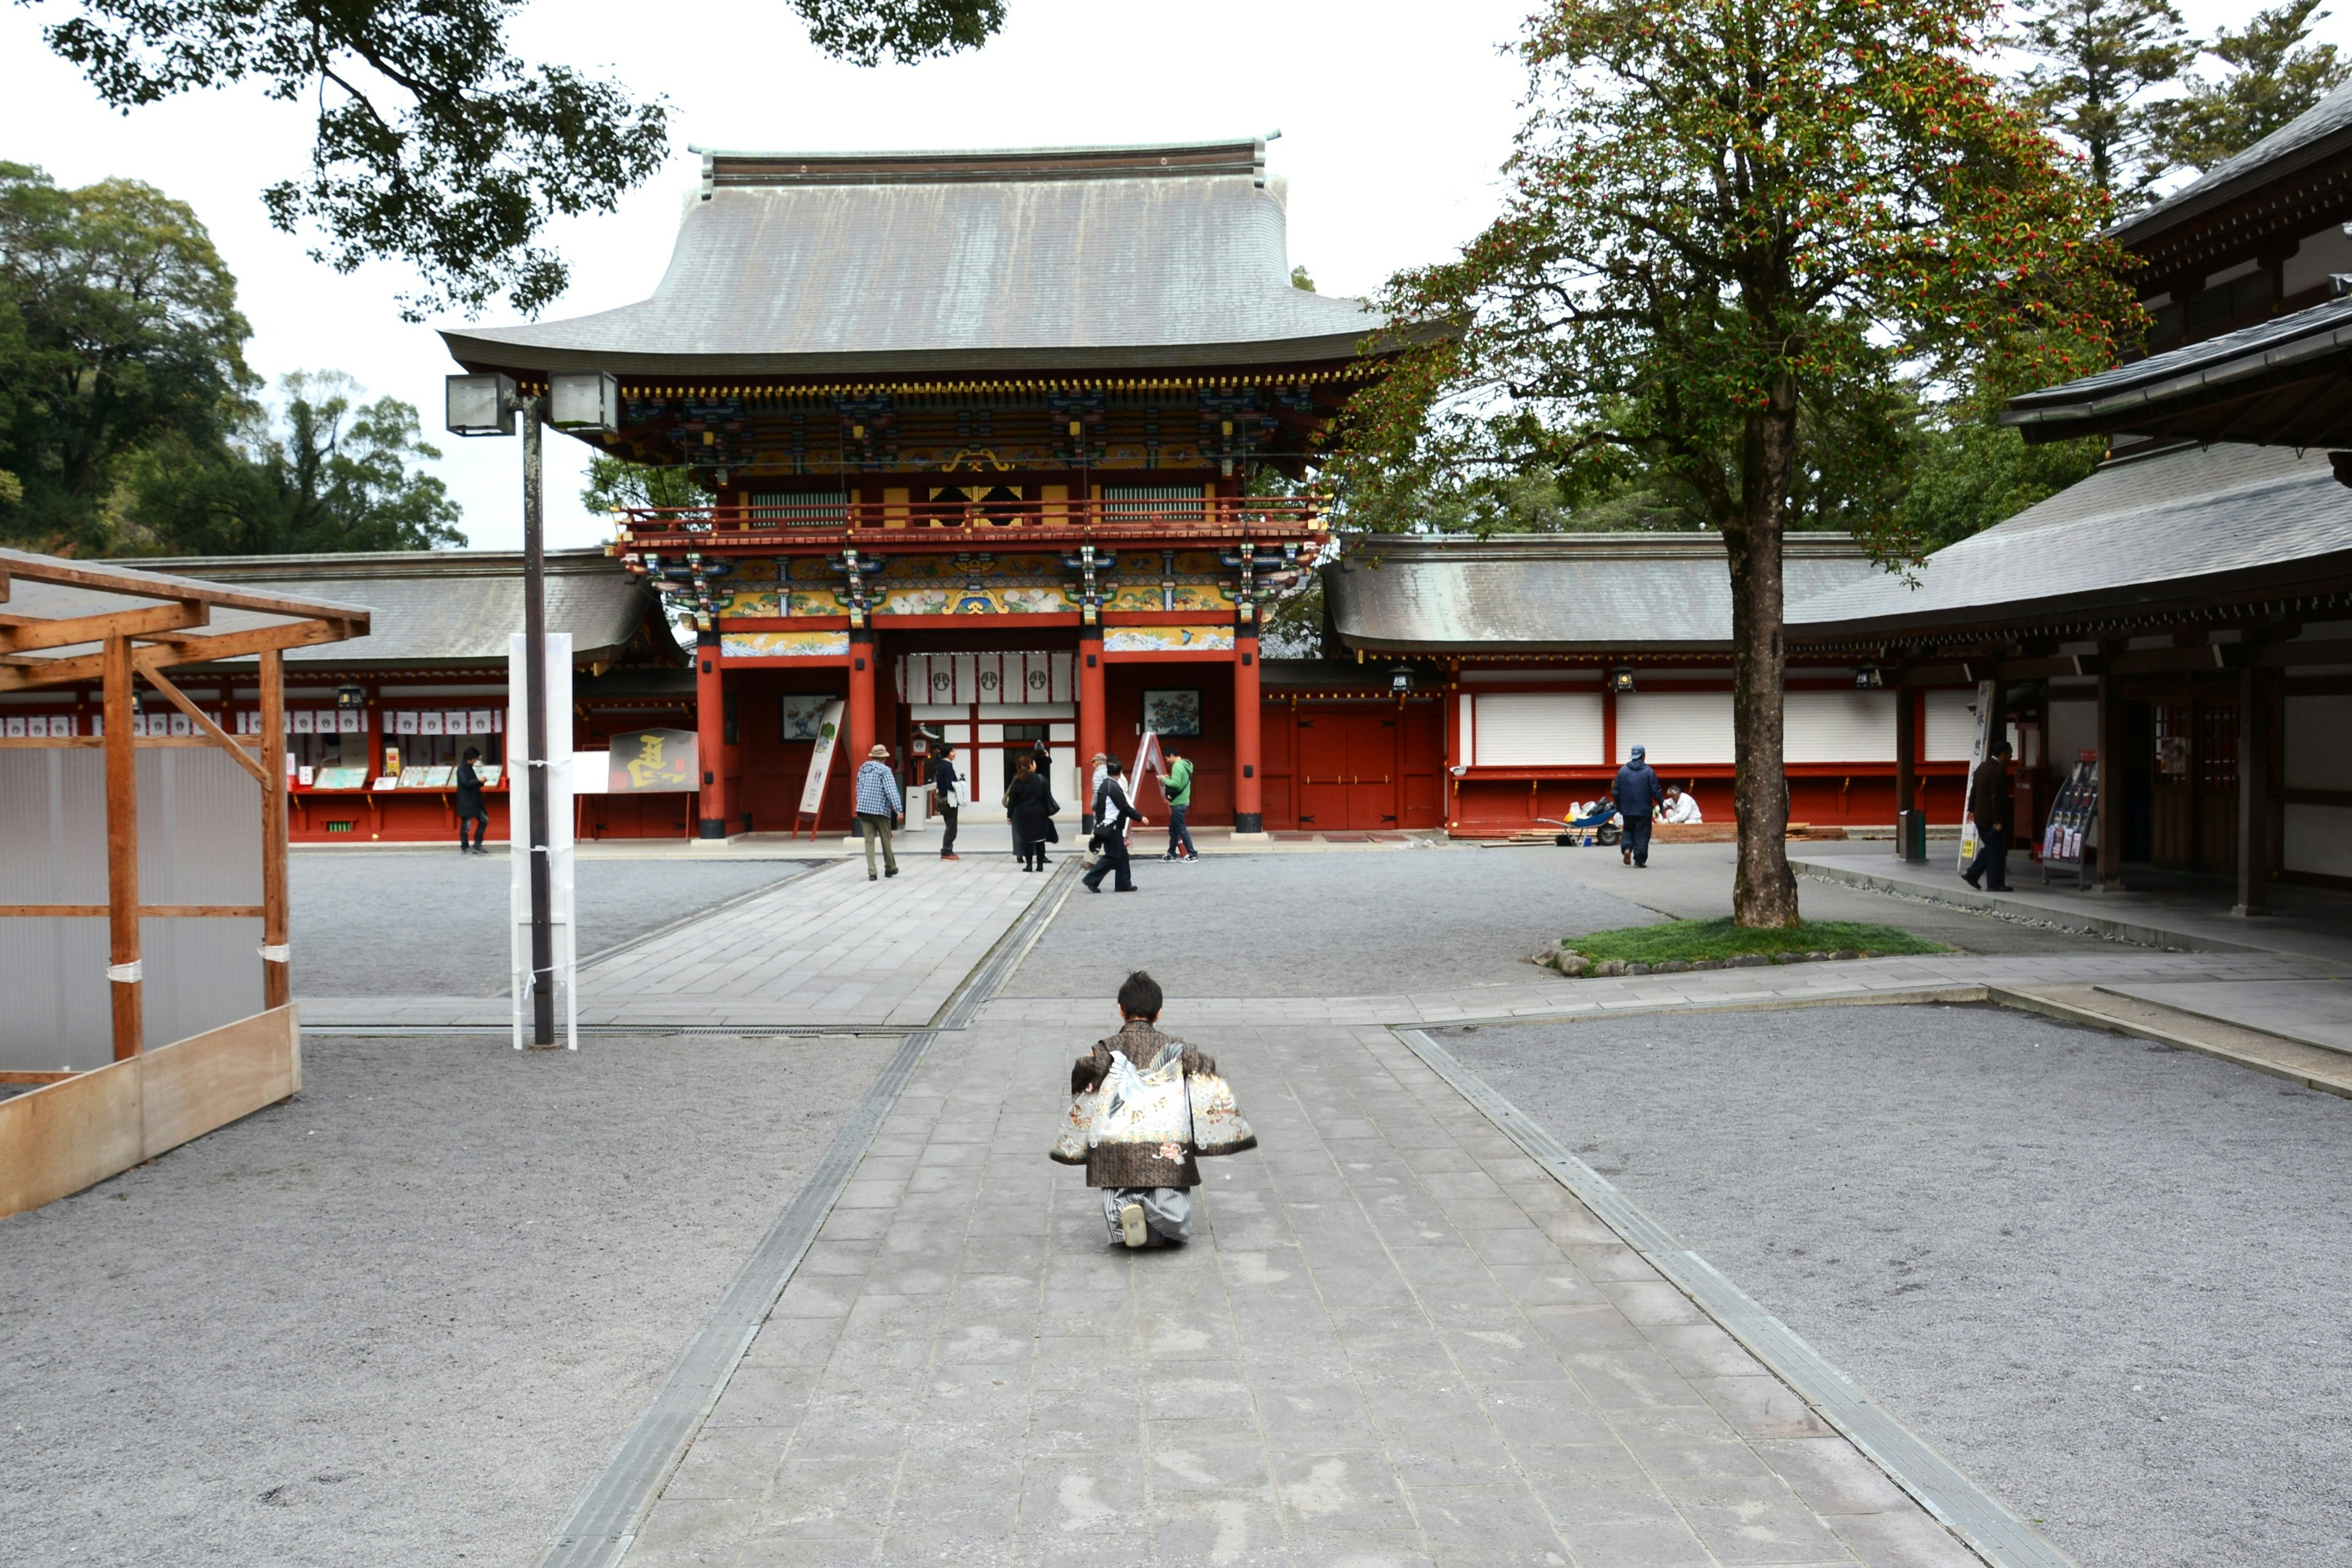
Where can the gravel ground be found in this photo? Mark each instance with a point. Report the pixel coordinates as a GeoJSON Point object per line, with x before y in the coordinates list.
{"type": "Point", "coordinates": [405, 1318]}
{"type": "Point", "coordinates": [433, 923]}
{"type": "Point", "coordinates": [1693, 882]}
{"type": "Point", "coordinates": [1341, 924]}
{"type": "Point", "coordinates": [2106, 1278]}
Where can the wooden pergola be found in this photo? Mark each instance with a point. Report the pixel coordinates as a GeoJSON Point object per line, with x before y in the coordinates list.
{"type": "Point", "coordinates": [67, 622]}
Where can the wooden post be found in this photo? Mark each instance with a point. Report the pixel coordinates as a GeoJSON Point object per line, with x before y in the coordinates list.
{"type": "Point", "coordinates": [710, 734]}
{"type": "Point", "coordinates": [1249, 789]}
{"type": "Point", "coordinates": [122, 855]}
{"type": "Point", "coordinates": [1906, 765]}
{"type": "Point", "coordinates": [2111, 770]}
{"type": "Point", "coordinates": [1092, 733]}
{"type": "Point", "coordinates": [277, 968]}
{"type": "Point", "coordinates": [2254, 796]}
{"type": "Point", "coordinates": [861, 708]}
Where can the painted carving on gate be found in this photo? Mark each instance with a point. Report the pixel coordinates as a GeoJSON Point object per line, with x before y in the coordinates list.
{"type": "Point", "coordinates": [1162, 640]}
{"type": "Point", "coordinates": [784, 645]}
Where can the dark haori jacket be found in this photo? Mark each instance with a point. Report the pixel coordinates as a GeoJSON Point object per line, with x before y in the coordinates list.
{"type": "Point", "coordinates": [1142, 1165]}
{"type": "Point", "coordinates": [1989, 796]}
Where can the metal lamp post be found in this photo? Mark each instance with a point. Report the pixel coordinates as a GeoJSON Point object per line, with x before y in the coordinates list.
{"type": "Point", "coordinates": [487, 406]}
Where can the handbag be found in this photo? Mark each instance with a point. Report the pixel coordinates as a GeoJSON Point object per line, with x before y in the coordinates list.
{"type": "Point", "coordinates": [1070, 1147]}
{"type": "Point", "coordinates": [1218, 1127]}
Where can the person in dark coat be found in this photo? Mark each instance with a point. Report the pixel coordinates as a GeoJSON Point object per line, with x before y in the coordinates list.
{"type": "Point", "coordinates": [1031, 806]}
{"type": "Point", "coordinates": [471, 808]}
{"type": "Point", "coordinates": [1988, 806]}
{"type": "Point", "coordinates": [947, 797]}
{"type": "Point", "coordinates": [1638, 795]}
{"type": "Point", "coordinates": [1113, 812]}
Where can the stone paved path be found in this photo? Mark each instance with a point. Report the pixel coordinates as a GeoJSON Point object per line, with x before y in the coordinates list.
{"type": "Point", "coordinates": [1395, 1340]}
{"type": "Point", "coordinates": [829, 949]}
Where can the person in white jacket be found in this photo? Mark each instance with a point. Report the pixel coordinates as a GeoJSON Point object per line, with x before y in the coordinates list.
{"type": "Point", "coordinates": [1681, 806]}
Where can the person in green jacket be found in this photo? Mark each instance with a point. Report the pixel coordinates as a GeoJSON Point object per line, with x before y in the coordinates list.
{"type": "Point", "coordinates": [1176, 785]}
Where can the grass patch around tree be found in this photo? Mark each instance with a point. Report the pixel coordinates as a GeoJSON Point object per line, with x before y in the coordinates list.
{"type": "Point", "coordinates": [1695, 942]}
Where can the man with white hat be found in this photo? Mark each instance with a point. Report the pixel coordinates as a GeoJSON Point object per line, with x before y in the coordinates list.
{"type": "Point", "coordinates": [881, 807]}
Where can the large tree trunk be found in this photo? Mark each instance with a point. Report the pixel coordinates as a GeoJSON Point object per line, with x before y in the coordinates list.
{"type": "Point", "coordinates": [1764, 892]}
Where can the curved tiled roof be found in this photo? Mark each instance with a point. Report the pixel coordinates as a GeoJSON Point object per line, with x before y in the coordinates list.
{"type": "Point", "coordinates": [2172, 526]}
{"type": "Point", "coordinates": [1610, 592]}
{"type": "Point", "coordinates": [2323, 129]}
{"type": "Point", "coordinates": [455, 607]}
{"type": "Point", "coordinates": [1060, 258]}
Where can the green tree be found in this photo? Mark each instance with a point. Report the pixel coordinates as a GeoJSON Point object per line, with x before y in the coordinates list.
{"type": "Point", "coordinates": [119, 329]}
{"type": "Point", "coordinates": [2096, 62]}
{"type": "Point", "coordinates": [432, 143]}
{"type": "Point", "coordinates": [616, 482]}
{"type": "Point", "coordinates": [2275, 73]}
{"type": "Point", "coordinates": [1716, 219]}
{"type": "Point", "coordinates": [1968, 474]}
{"type": "Point", "coordinates": [328, 473]}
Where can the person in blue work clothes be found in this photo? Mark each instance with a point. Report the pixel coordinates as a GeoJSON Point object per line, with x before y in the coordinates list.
{"type": "Point", "coordinates": [1638, 795]}
{"type": "Point", "coordinates": [881, 807]}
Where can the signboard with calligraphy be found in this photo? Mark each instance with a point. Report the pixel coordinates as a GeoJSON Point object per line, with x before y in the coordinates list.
{"type": "Point", "coordinates": [654, 762]}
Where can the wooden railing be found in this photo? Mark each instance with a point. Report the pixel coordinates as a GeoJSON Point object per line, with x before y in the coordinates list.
{"type": "Point", "coordinates": [839, 523]}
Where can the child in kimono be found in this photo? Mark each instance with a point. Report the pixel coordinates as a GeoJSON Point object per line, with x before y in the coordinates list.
{"type": "Point", "coordinates": [1147, 1185]}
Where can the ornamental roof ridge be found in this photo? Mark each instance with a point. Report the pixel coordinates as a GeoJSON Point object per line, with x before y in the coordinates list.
{"type": "Point", "coordinates": [1231, 155]}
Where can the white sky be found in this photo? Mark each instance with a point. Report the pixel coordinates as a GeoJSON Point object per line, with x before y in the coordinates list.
{"type": "Point", "coordinates": [1395, 115]}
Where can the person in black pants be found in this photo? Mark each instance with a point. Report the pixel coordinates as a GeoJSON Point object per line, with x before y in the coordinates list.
{"type": "Point", "coordinates": [947, 798]}
{"type": "Point", "coordinates": [1112, 814]}
{"type": "Point", "coordinates": [470, 806]}
{"type": "Point", "coordinates": [1989, 799]}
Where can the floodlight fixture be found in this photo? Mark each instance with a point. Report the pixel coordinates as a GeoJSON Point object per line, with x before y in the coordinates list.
{"type": "Point", "coordinates": [584, 400]}
{"type": "Point", "coordinates": [481, 404]}
{"type": "Point", "coordinates": [1868, 678]}
{"type": "Point", "coordinates": [1621, 679]}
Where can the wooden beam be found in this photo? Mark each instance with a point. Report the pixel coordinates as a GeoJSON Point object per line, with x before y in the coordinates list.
{"type": "Point", "coordinates": [117, 580]}
{"type": "Point", "coordinates": [185, 650]}
{"type": "Point", "coordinates": [144, 664]}
{"type": "Point", "coordinates": [122, 856]}
{"type": "Point", "coordinates": [276, 971]}
{"type": "Point", "coordinates": [29, 634]}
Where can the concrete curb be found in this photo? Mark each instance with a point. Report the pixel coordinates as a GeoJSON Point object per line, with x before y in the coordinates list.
{"type": "Point", "coordinates": [2067, 1013]}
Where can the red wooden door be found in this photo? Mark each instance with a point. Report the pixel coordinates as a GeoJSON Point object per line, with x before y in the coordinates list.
{"type": "Point", "coordinates": [1322, 769]}
{"type": "Point", "coordinates": [1371, 770]}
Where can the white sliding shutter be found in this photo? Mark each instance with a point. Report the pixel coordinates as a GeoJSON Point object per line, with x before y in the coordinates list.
{"type": "Point", "coordinates": [1675, 728]}
{"type": "Point", "coordinates": [1838, 727]}
{"type": "Point", "coordinates": [1951, 724]}
{"type": "Point", "coordinates": [1538, 729]}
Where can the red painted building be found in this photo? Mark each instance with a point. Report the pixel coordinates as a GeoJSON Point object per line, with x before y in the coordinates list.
{"type": "Point", "coordinates": [977, 428]}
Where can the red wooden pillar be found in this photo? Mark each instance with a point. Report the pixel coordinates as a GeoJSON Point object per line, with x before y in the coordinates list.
{"type": "Point", "coordinates": [861, 700]}
{"type": "Point", "coordinates": [1093, 732]}
{"type": "Point", "coordinates": [1249, 789]}
{"type": "Point", "coordinates": [711, 733]}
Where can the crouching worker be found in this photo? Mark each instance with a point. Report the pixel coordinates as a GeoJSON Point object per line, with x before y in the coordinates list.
{"type": "Point", "coordinates": [1144, 1107]}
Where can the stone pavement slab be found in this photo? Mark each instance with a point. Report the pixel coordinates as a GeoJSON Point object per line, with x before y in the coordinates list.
{"type": "Point", "coordinates": [1395, 1340]}
{"type": "Point", "coordinates": [2315, 1012]}
{"type": "Point", "coordinates": [2190, 913]}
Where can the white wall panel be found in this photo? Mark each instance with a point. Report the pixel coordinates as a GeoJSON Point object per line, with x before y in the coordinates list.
{"type": "Point", "coordinates": [2073, 730]}
{"type": "Point", "coordinates": [2319, 839]}
{"type": "Point", "coordinates": [1675, 728]}
{"type": "Point", "coordinates": [1951, 724]}
{"type": "Point", "coordinates": [1538, 729]}
{"type": "Point", "coordinates": [1838, 727]}
{"type": "Point", "coordinates": [2318, 742]}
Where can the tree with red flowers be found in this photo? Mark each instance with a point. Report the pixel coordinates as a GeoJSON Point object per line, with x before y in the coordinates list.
{"type": "Point", "coordinates": [1742, 239]}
